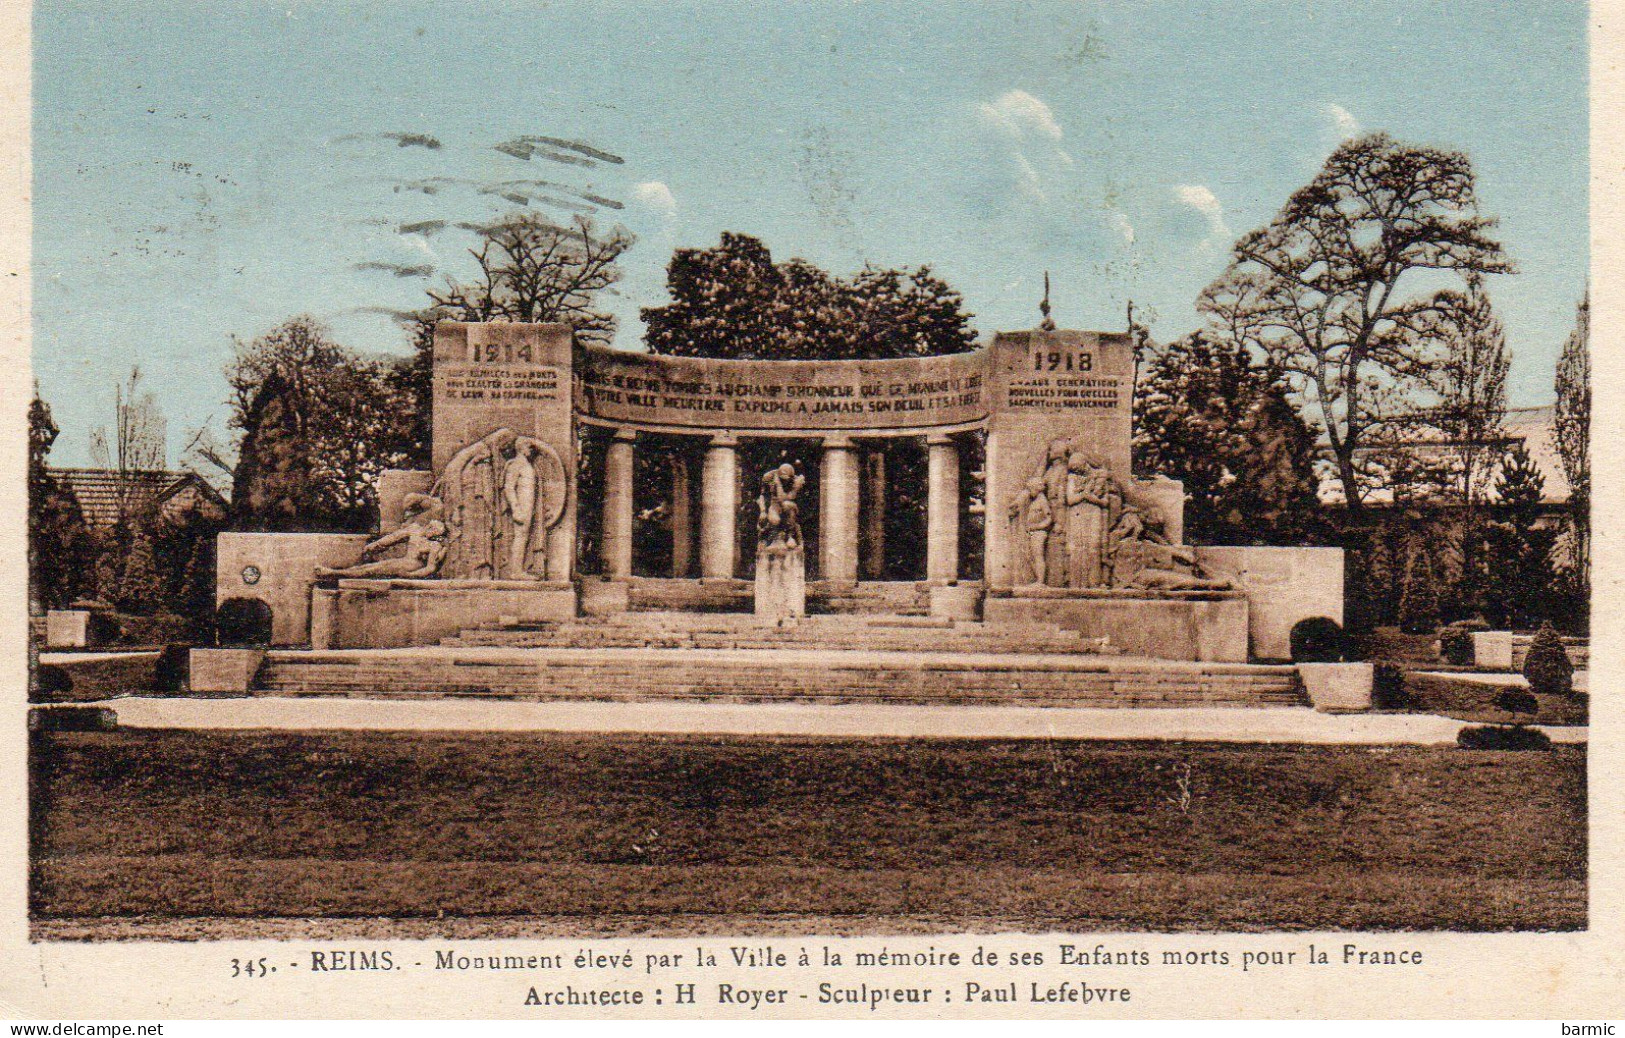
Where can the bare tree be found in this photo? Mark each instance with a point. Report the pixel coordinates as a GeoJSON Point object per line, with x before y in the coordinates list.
{"type": "Point", "coordinates": [1471, 383]}
{"type": "Point", "coordinates": [531, 269]}
{"type": "Point", "coordinates": [138, 449]}
{"type": "Point", "coordinates": [1573, 420]}
{"type": "Point", "coordinates": [1338, 289]}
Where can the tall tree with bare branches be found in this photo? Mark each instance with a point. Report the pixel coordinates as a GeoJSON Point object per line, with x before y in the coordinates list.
{"type": "Point", "coordinates": [1341, 288]}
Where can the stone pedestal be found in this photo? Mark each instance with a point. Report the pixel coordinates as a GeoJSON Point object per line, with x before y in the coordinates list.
{"type": "Point", "coordinates": [605, 597]}
{"type": "Point", "coordinates": [781, 583]}
{"type": "Point", "coordinates": [956, 601]}
{"type": "Point", "coordinates": [224, 670]}
{"type": "Point", "coordinates": [67, 628]}
{"type": "Point", "coordinates": [1205, 626]}
{"type": "Point", "coordinates": [1338, 688]}
{"type": "Point", "coordinates": [381, 614]}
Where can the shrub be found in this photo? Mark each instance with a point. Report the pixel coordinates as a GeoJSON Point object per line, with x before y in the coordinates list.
{"type": "Point", "coordinates": [173, 669]}
{"type": "Point", "coordinates": [1547, 667]}
{"type": "Point", "coordinates": [72, 719]}
{"type": "Point", "coordinates": [1502, 737]}
{"type": "Point", "coordinates": [1317, 640]}
{"type": "Point", "coordinates": [1456, 641]}
{"type": "Point", "coordinates": [1419, 595]}
{"type": "Point", "coordinates": [52, 681]}
{"type": "Point", "coordinates": [243, 621]}
{"type": "Point", "coordinates": [1388, 687]}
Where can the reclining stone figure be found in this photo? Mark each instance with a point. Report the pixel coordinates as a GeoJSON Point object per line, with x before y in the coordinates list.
{"type": "Point", "coordinates": [424, 532]}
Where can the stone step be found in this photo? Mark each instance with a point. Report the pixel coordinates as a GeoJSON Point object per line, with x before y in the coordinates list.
{"type": "Point", "coordinates": [542, 674]}
{"type": "Point", "coordinates": [673, 630]}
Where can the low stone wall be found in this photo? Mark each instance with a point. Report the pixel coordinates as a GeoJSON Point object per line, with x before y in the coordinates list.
{"type": "Point", "coordinates": [1284, 586]}
{"type": "Point", "coordinates": [1209, 628]}
{"type": "Point", "coordinates": [1507, 651]}
{"type": "Point", "coordinates": [384, 614]}
{"type": "Point", "coordinates": [279, 569]}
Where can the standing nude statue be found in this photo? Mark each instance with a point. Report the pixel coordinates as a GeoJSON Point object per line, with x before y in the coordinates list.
{"type": "Point", "coordinates": [1031, 510]}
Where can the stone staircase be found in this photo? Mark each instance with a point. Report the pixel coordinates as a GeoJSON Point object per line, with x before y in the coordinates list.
{"type": "Point", "coordinates": [834, 632]}
{"type": "Point", "coordinates": [733, 658]}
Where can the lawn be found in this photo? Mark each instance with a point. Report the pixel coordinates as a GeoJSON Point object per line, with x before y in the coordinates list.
{"type": "Point", "coordinates": [583, 833]}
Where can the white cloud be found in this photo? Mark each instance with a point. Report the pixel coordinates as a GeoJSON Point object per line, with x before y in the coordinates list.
{"type": "Point", "coordinates": [1121, 225]}
{"type": "Point", "coordinates": [655, 196]}
{"type": "Point", "coordinates": [1021, 114]}
{"type": "Point", "coordinates": [1346, 125]}
{"type": "Point", "coordinates": [1202, 199]}
{"type": "Point", "coordinates": [1029, 136]}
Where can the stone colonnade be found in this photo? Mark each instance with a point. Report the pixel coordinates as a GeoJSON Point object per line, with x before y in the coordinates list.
{"type": "Point", "coordinates": [851, 487]}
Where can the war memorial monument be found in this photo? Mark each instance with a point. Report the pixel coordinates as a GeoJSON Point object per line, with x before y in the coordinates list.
{"type": "Point", "coordinates": [1080, 589]}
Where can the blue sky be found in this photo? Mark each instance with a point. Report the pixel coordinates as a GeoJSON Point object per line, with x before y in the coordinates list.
{"type": "Point", "coordinates": [204, 171]}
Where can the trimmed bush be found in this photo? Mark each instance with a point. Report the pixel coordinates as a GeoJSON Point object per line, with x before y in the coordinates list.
{"type": "Point", "coordinates": [1388, 687]}
{"type": "Point", "coordinates": [72, 719]}
{"type": "Point", "coordinates": [243, 622]}
{"type": "Point", "coordinates": [173, 669]}
{"type": "Point", "coordinates": [1502, 737]}
{"type": "Point", "coordinates": [1318, 640]}
{"type": "Point", "coordinates": [1548, 668]}
{"type": "Point", "coordinates": [53, 681]}
{"type": "Point", "coordinates": [1456, 641]}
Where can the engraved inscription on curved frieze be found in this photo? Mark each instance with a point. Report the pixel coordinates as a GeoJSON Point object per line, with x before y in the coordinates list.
{"type": "Point", "coordinates": [786, 394]}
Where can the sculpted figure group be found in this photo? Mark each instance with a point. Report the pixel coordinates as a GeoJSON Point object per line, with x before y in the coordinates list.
{"type": "Point", "coordinates": [486, 518]}
{"type": "Point", "coordinates": [1075, 529]}
{"type": "Point", "coordinates": [778, 515]}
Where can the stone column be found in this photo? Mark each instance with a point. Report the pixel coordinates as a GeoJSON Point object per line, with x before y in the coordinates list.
{"type": "Point", "coordinates": [874, 520]}
{"type": "Point", "coordinates": [995, 516]}
{"type": "Point", "coordinates": [682, 515]}
{"type": "Point", "coordinates": [719, 508]}
{"type": "Point", "coordinates": [838, 511]}
{"type": "Point", "coordinates": [942, 510]}
{"type": "Point", "coordinates": [618, 506]}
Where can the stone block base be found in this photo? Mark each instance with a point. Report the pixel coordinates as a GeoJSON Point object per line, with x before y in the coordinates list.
{"type": "Point", "coordinates": [1492, 650]}
{"type": "Point", "coordinates": [1210, 628]}
{"type": "Point", "coordinates": [956, 602]}
{"type": "Point", "coordinates": [781, 584]}
{"type": "Point", "coordinates": [1338, 688]}
{"type": "Point", "coordinates": [224, 670]}
{"type": "Point", "coordinates": [384, 614]}
{"type": "Point", "coordinates": [67, 628]}
{"type": "Point", "coordinates": [605, 597]}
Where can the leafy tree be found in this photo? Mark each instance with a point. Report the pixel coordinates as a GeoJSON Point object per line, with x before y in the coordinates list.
{"type": "Point", "coordinates": [1207, 413]}
{"type": "Point", "coordinates": [1518, 548]}
{"type": "Point", "coordinates": [1336, 289]}
{"type": "Point", "coordinates": [318, 425]}
{"type": "Point", "coordinates": [1573, 421]}
{"type": "Point", "coordinates": [734, 301]}
{"type": "Point", "coordinates": [61, 551]}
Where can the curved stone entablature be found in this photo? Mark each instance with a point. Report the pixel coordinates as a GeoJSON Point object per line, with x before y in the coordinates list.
{"type": "Point", "coordinates": [781, 395]}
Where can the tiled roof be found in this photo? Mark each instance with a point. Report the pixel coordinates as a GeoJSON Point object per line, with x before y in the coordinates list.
{"type": "Point", "coordinates": [100, 490]}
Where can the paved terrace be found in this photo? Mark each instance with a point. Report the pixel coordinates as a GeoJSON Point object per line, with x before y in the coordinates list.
{"type": "Point", "coordinates": [1222, 724]}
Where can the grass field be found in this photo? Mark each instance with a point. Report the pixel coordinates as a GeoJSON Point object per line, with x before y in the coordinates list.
{"type": "Point", "coordinates": [589, 833]}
